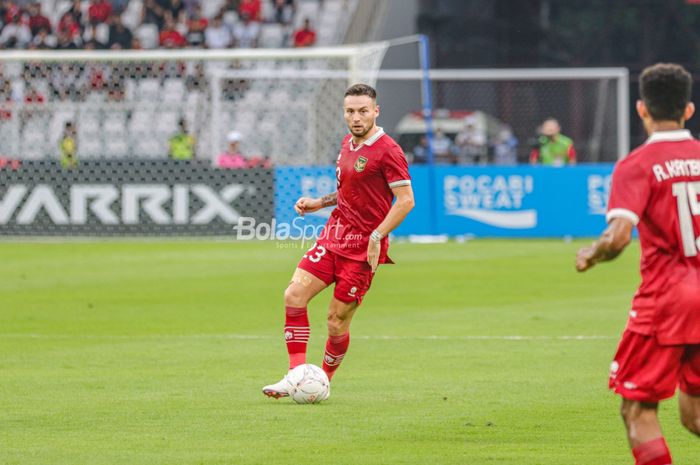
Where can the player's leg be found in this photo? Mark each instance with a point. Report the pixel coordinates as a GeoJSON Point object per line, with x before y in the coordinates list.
{"type": "Point", "coordinates": [689, 398]}
{"type": "Point", "coordinates": [644, 433]}
{"type": "Point", "coordinates": [641, 421]}
{"type": "Point", "coordinates": [690, 412]}
{"type": "Point", "coordinates": [303, 287]}
{"type": "Point", "coordinates": [353, 279]}
{"type": "Point", "coordinates": [313, 274]}
{"type": "Point", "coordinates": [644, 373]}
{"type": "Point", "coordinates": [339, 317]}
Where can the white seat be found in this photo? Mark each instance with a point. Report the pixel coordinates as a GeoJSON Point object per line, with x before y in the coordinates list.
{"type": "Point", "coordinates": [115, 146]}
{"type": "Point", "coordinates": [149, 90]}
{"type": "Point", "coordinates": [115, 123]}
{"type": "Point", "coordinates": [142, 121]}
{"type": "Point", "coordinates": [88, 122]}
{"type": "Point", "coordinates": [149, 147]}
{"type": "Point", "coordinates": [89, 146]}
{"type": "Point", "coordinates": [173, 90]}
{"type": "Point", "coordinates": [167, 123]}
{"type": "Point", "coordinates": [33, 144]}
{"type": "Point", "coordinates": [271, 36]}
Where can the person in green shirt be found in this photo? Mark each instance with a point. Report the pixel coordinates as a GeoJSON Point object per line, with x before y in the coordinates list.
{"type": "Point", "coordinates": [68, 146]}
{"type": "Point", "coordinates": [553, 148]}
{"type": "Point", "coordinates": [182, 144]}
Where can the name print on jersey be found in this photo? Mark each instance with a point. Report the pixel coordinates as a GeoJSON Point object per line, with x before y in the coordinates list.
{"type": "Point", "coordinates": [676, 168]}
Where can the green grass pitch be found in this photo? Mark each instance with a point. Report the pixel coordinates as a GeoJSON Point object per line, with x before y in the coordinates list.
{"type": "Point", "coordinates": [155, 353]}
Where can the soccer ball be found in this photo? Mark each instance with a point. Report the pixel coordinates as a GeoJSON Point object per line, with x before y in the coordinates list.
{"type": "Point", "coordinates": [310, 385]}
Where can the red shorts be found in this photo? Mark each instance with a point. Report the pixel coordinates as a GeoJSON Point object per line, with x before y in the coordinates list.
{"type": "Point", "coordinates": [645, 371]}
{"type": "Point", "coordinates": [352, 278]}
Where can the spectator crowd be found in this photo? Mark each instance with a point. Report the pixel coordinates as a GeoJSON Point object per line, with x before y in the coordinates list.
{"type": "Point", "coordinates": [99, 24]}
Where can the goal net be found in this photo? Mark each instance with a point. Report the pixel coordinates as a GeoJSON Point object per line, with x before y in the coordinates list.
{"type": "Point", "coordinates": [591, 105]}
{"type": "Point", "coordinates": [137, 143]}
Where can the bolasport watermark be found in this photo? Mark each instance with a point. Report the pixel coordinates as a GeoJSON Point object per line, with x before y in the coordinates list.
{"type": "Point", "coordinates": [292, 234]}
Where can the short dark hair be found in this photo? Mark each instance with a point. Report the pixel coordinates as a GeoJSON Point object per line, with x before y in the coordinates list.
{"type": "Point", "coordinates": [665, 89]}
{"type": "Point", "coordinates": [361, 89]}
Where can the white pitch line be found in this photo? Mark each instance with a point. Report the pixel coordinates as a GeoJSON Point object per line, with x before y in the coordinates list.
{"type": "Point", "coordinates": [270, 337]}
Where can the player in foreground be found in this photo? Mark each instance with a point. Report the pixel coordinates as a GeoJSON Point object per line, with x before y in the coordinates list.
{"type": "Point", "coordinates": [656, 188]}
{"type": "Point", "coordinates": [371, 172]}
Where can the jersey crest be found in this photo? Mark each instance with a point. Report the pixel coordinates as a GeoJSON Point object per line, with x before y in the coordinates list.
{"type": "Point", "coordinates": [360, 164]}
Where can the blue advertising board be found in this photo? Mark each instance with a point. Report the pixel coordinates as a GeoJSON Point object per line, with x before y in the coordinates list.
{"type": "Point", "coordinates": [519, 201]}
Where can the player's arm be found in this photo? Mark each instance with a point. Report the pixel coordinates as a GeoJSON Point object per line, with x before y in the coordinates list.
{"type": "Point", "coordinates": [404, 203]}
{"type": "Point", "coordinates": [309, 205]}
{"type": "Point", "coordinates": [608, 246]}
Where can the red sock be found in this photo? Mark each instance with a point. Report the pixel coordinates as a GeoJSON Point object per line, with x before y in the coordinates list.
{"type": "Point", "coordinates": [296, 334]}
{"type": "Point", "coordinates": [654, 452]}
{"type": "Point", "coordinates": [336, 347]}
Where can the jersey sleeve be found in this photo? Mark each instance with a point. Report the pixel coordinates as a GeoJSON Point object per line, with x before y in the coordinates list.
{"type": "Point", "coordinates": [629, 192]}
{"type": "Point", "coordinates": [395, 168]}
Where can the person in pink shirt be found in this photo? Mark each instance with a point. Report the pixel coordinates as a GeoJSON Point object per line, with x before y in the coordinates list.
{"type": "Point", "coordinates": [232, 158]}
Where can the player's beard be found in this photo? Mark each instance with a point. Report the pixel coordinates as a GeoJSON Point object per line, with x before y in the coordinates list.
{"type": "Point", "coordinates": [360, 133]}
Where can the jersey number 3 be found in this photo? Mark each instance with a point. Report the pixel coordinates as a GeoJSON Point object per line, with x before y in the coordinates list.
{"type": "Point", "coordinates": [686, 194]}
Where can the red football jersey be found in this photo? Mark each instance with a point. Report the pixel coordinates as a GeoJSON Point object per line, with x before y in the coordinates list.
{"type": "Point", "coordinates": [365, 176]}
{"type": "Point", "coordinates": [657, 187]}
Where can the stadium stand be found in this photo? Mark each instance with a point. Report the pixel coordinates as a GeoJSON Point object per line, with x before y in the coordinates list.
{"type": "Point", "coordinates": [113, 104]}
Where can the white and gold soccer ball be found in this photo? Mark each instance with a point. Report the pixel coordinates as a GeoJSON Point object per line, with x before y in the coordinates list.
{"type": "Point", "coordinates": [310, 385]}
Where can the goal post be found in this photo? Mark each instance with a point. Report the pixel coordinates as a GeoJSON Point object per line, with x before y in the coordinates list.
{"type": "Point", "coordinates": [591, 103]}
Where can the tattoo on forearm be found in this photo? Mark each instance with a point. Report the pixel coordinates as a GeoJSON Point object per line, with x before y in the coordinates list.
{"type": "Point", "coordinates": [329, 200]}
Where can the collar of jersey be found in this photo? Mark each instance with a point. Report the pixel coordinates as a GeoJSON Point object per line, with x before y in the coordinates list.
{"type": "Point", "coordinates": [669, 136]}
{"type": "Point", "coordinates": [369, 141]}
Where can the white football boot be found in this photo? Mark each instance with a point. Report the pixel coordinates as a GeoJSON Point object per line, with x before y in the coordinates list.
{"type": "Point", "coordinates": [283, 388]}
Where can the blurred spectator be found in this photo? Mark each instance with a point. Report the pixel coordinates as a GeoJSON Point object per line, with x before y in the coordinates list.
{"type": "Point", "coordinates": [196, 25]}
{"type": "Point", "coordinates": [232, 157]}
{"type": "Point", "coordinates": [443, 148]}
{"type": "Point", "coordinates": [118, 6]}
{"type": "Point", "coordinates": [96, 34]}
{"type": "Point", "coordinates": [10, 10]}
{"type": "Point", "coordinates": [37, 21]}
{"type": "Point", "coordinates": [251, 8]}
{"type": "Point", "coordinates": [170, 37]}
{"type": "Point", "coordinates": [68, 32]}
{"type": "Point", "coordinates": [68, 146]}
{"type": "Point", "coordinates": [43, 40]}
{"type": "Point", "coordinates": [218, 35]}
{"type": "Point", "coordinates": [120, 36]}
{"type": "Point", "coordinates": [191, 6]}
{"type": "Point", "coordinates": [99, 11]}
{"type": "Point", "coordinates": [505, 147]}
{"type": "Point", "coordinates": [284, 11]}
{"type": "Point", "coordinates": [75, 12]}
{"type": "Point", "coordinates": [177, 9]}
{"type": "Point", "coordinates": [153, 13]}
{"type": "Point", "coordinates": [246, 32]}
{"type": "Point", "coordinates": [15, 34]}
{"type": "Point", "coordinates": [420, 151]}
{"type": "Point", "coordinates": [471, 143]}
{"type": "Point", "coordinates": [552, 147]}
{"type": "Point", "coordinates": [305, 37]}
{"type": "Point", "coordinates": [182, 143]}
